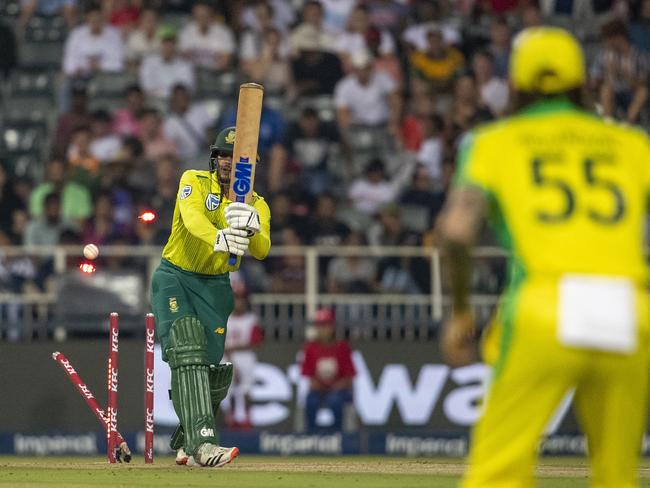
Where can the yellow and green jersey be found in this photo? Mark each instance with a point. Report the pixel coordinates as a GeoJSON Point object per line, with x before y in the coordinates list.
{"type": "Point", "coordinates": [567, 190]}
{"type": "Point", "coordinates": [198, 216]}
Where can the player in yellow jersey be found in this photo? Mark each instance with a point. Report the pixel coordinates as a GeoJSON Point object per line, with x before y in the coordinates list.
{"type": "Point", "coordinates": [192, 299]}
{"type": "Point", "coordinates": [566, 191]}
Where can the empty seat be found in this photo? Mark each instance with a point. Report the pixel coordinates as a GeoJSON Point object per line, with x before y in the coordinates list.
{"type": "Point", "coordinates": [215, 84]}
{"type": "Point", "coordinates": [28, 109]}
{"type": "Point", "coordinates": [44, 55]}
{"type": "Point", "coordinates": [32, 82]}
{"type": "Point", "coordinates": [110, 84]}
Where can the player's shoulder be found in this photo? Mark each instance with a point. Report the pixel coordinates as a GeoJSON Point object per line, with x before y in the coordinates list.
{"type": "Point", "coordinates": [629, 131]}
{"type": "Point", "coordinates": [195, 174]}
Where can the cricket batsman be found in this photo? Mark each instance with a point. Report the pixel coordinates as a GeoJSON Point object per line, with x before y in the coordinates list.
{"type": "Point", "coordinates": [567, 192]}
{"type": "Point", "coordinates": [192, 298]}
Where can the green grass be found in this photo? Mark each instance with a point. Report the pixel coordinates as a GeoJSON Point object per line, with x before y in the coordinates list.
{"type": "Point", "coordinates": [270, 472]}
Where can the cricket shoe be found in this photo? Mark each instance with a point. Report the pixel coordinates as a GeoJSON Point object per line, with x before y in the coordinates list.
{"type": "Point", "coordinates": [184, 459]}
{"type": "Point", "coordinates": [215, 456]}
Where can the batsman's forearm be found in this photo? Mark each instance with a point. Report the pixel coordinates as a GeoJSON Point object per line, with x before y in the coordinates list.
{"type": "Point", "coordinates": [460, 266]}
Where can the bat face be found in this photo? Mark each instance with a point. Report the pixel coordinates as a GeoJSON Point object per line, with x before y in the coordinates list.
{"type": "Point", "coordinates": [241, 178]}
{"type": "Point", "coordinates": [244, 157]}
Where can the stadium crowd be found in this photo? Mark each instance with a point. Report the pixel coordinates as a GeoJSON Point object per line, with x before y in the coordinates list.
{"type": "Point", "coordinates": [365, 104]}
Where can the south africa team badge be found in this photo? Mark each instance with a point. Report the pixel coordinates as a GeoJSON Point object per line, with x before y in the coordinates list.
{"type": "Point", "coordinates": [212, 202]}
{"type": "Point", "coordinates": [173, 305]}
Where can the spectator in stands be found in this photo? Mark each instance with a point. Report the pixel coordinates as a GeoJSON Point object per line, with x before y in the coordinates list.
{"type": "Point", "coordinates": [312, 20]}
{"type": "Point", "coordinates": [395, 274]}
{"type": "Point", "coordinates": [325, 229]}
{"type": "Point", "coordinates": [280, 12]}
{"type": "Point", "coordinates": [85, 166]}
{"type": "Point", "coordinates": [9, 201]}
{"type": "Point", "coordinates": [373, 190]}
{"type": "Point", "coordinates": [187, 126]}
{"type": "Point", "coordinates": [355, 38]}
{"type": "Point", "coordinates": [337, 13]}
{"type": "Point", "coordinates": [77, 116]}
{"type": "Point", "coordinates": [122, 14]}
{"type": "Point", "coordinates": [499, 46]}
{"type": "Point", "coordinates": [412, 129]}
{"type": "Point", "coordinates": [640, 26]}
{"type": "Point", "coordinates": [429, 15]}
{"type": "Point", "coordinates": [93, 47]}
{"type": "Point", "coordinates": [126, 120]}
{"type": "Point", "coordinates": [307, 145]}
{"type": "Point", "coordinates": [430, 155]}
{"type": "Point", "coordinates": [163, 198]}
{"type": "Point", "coordinates": [465, 111]}
{"type": "Point", "coordinates": [353, 273]}
{"type": "Point", "coordinates": [156, 143]}
{"type": "Point", "coordinates": [252, 40]}
{"type": "Point", "coordinates": [327, 363]}
{"type": "Point", "coordinates": [101, 228]}
{"type": "Point", "coordinates": [435, 69]}
{"type": "Point", "coordinates": [493, 91]}
{"type": "Point", "coordinates": [366, 97]}
{"type": "Point", "coordinates": [531, 16]}
{"type": "Point", "coordinates": [105, 145]}
{"type": "Point", "coordinates": [271, 66]}
{"type": "Point", "coordinates": [285, 217]}
{"type": "Point", "coordinates": [46, 229]}
{"type": "Point", "coordinates": [315, 71]}
{"type": "Point", "coordinates": [207, 41]}
{"type": "Point", "coordinates": [143, 41]}
{"type": "Point", "coordinates": [76, 202]}
{"type": "Point", "coordinates": [245, 335]}
{"type": "Point", "coordinates": [425, 193]}
{"type": "Point", "coordinates": [48, 8]}
{"type": "Point", "coordinates": [289, 271]}
{"type": "Point", "coordinates": [388, 14]}
{"type": "Point", "coordinates": [160, 72]}
{"type": "Point", "coordinates": [621, 74]}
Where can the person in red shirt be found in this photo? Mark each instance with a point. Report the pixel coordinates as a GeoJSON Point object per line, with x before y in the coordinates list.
{"type": "Point", "coordinates": [327, 363]}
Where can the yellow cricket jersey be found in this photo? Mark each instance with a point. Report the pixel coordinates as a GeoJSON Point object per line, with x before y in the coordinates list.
{"type": "Point", "coordinates": [198, 216]}
{"type": "Point", "coordinates": [567, 190]}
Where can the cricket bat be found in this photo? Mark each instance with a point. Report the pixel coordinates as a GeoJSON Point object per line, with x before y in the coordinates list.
{"type": "Point", "coordinates": [244, 154]}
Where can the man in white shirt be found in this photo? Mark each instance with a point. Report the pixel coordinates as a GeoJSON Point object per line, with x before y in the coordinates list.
{"type": "Point", "coordinates": [206, 41]}
{"type": "Point", "coordinates": [493, 91]}
{"type": "Point", "coordinates": [143, 41]}
{"type": "Point", "coordinates": [93, 47]}
{"type": "Point", "coordinates": [160, 72]}
{"type": "Point", "coordinates": [367, 97]}
{"type": "Point", "coordinates": [312, 18]}
{"type": "Point", "coordinates": [187, 125]}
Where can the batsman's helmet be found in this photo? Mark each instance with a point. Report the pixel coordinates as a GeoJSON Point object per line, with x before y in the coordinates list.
{"type": "Point", "coordinates": [546, 60]}
{"type": "Point", "coordinates": [223, 144]}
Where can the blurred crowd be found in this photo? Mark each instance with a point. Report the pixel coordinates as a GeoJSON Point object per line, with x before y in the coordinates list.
{"type": "Point", "coordinates": [365, 104]}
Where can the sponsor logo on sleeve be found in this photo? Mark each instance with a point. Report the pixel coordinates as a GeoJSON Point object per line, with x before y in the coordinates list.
{"type": "Point", "coordinates": [186, 191]}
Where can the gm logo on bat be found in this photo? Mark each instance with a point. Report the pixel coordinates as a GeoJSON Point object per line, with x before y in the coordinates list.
{"type": "Point", "coordinates": [243, 173]}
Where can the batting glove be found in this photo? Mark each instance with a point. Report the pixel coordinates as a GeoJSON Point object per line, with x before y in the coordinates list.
{"type": "Point", "coordinates": [232, 241]}
{"type": "Point", "coordinates": [243, 216]}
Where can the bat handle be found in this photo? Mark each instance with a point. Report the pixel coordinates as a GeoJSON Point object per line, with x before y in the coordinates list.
{"type": "Point", "coordinates": [232, 260]}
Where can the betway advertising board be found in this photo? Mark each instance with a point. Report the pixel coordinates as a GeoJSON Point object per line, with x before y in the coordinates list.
{"type": "Point", "coordinates": [399, 387]}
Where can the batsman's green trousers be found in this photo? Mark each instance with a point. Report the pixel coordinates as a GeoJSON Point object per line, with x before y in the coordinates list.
{"type": "Point", "coordinates": [176, 293]}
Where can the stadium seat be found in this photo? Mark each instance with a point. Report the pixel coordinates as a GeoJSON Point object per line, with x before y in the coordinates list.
{"type": "Point", "coordinates": [43, 55]}
{"type": "Point", "coordinates": [215, 83]}
{"type": "Point", "coordinates": [32, 82]}
{"type": "Point", "coordinates": [110, 84]}
{"type": "Point", "coordinates": [415, 217]}
{"type": "Point", "coordinates": [44, 29]}
{"type": "Point", "coordinates": [323, 104]}
{"type": "Point", "coordinates": [106, 102]}
{"type": "Point", "coordinates": [37, 109]}
{"type": "Point", "coordinates": [22, 147]}
{"type": "Point", "coordinates": [10, 8]}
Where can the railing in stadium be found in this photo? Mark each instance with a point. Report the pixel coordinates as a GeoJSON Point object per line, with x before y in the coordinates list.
{"type": "Point", "coordinates": [377, 315]}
